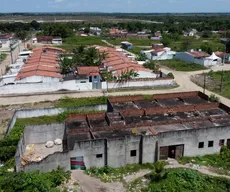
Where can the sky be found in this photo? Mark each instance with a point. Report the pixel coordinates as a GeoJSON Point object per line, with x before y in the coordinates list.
{"type": "Point", "coordinates": [134, 6]}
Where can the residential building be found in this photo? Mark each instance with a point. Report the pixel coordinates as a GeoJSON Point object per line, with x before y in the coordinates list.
{"type": "Point", "coordinates": [199, 57]}
{"type": "Point", "coordinates": [5, 40]}
{"type": "Point", "coordinates": [134, 130]}
{"type": "Point", "coordinates": [126, 45]}
{"type": "Point", "coordinates": [190, 33]}
{"type": "Point", "coordinates": [159, 53]}
{"type": "Point", "coordinates": [57, 41]}
{"type": "Point", "coordinates": [225, 57]}
{"type": "Point", "coordinates": [117, 63]}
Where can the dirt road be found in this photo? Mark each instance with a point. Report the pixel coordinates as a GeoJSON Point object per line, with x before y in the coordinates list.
{"type": "Point", "coordinates": [91, 184]}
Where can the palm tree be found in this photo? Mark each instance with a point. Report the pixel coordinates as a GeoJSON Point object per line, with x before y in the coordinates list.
{"type": "Point", "coordinates": [65, 65]}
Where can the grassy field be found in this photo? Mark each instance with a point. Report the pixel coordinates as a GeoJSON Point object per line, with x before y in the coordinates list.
{"type": "Point", "coordinates": [137, 50]}
{"type": "Point", "coordinates": [72, 42]}
{"type": "Point", "coordinates": [3, 56]}
{"type": "Point", "coordinates": [193, 43]}
{"type": "Point", "coordinates": [213, 81]}
{"type": "Point", "coordinates": [180, 65]}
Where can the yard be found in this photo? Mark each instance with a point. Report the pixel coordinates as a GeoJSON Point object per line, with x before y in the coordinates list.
{"type": "Point", "coordinates": [180, 65]}
{"type": "Point", "coordinates": [72, 42]}
{"type": "Point", "coordinates": [213, 82]}
{"type": "Point", "coordinates": [187, 43]}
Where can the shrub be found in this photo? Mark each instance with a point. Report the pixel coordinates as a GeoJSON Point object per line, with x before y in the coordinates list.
{"type": "Point", "coordinates": [170, 75]}
{"type": "Point", "coordinates": [214, 98]}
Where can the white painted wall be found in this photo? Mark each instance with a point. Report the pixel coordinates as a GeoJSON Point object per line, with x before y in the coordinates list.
{"type": "Point", "coordinates": [37, 79]}
{"type": "Point", "coordinates": [130, 84]}
{"type": "Point", "coordinates": [45, 87]}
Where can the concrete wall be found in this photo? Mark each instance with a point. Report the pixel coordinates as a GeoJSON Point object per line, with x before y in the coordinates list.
{"type": "Point", "coordinates": [28, 113]}
{"type": "Point", "coordinates": [191, 139]}
{"type": "Point", "coordinates": [149, 149]}
{"type": "Point", "coordinates": [130, 84]}
{"type": "Point", "coordinates": [184, 57]}
{"type": "Point", "coordinates": [49, 163]}
{"type": "Point", "coordinates": [89, 150]}
{"type": "Point", "coordinates": [42, 133]}
{"type": "Point", "coordinates": [116, 152]}
{"type": "Point", "coordinates": [46, 86]}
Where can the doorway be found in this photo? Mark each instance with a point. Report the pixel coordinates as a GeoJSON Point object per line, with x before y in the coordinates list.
{"type": "Point", "coordinates": [172, 151]}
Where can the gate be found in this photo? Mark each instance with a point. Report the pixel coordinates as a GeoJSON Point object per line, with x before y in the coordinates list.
{"type": "Point", "coordinates": [164, 153]}
{"type": "Point", "coordinates": [179, 151]}
{"type": "Point", "coordinates": [77, 163]}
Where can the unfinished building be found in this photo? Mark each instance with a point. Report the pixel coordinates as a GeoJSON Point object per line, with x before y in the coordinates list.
{"type": "Point", "coordinates": [135, 129]}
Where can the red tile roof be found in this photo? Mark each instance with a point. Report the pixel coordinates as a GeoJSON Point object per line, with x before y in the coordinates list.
{"type": "Point", "coordinates": [198, 54]}
{"type": "Point", "coordinates": [87, 70]}
{"type": "Point", "coordinates": [41, 64]}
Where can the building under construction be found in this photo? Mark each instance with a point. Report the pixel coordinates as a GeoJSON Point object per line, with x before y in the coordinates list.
{"type": "Point", "coordinates": [135, 129]}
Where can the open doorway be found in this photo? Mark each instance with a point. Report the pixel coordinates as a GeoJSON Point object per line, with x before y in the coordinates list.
{"type": "Point", "coordinates": [172, 151]}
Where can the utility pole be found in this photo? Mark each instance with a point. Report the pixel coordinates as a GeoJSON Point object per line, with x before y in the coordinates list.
{"type": "Point", "coordinates": [204, 82]}
{"type": "Point", "coordinates": [221, 82]}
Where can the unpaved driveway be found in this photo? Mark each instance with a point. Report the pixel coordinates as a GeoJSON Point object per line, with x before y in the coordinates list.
{"type": "Point", "coordinates": [91, 184]}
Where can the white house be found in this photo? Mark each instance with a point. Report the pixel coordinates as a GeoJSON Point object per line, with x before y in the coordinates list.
{"type": "Point", "coordinates": [159, 54]}
{"type": "Point", "coordinates": [199, 57]}
{"type": "Point", "coordinates": [190, 33]}
{"type": "Point", "coordinates": [57, 41]}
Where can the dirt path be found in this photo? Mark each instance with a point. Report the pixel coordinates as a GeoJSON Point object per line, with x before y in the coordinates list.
{"type": "Point", "coordinates": [91, 184]}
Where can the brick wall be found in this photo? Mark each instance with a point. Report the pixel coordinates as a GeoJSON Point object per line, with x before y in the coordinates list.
{"type": "Point", "coordinates": [175, 95]}
{"type": "Point", "coordinates": [76, 116]}
{"type": "Point", "coordinates": [96, 116]}
{"type": "Point", "coordinates": [126, 99]}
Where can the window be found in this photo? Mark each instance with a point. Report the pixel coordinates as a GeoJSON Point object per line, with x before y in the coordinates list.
{"type": "Point", "coordinates": [133, 153]}
{"type": "Point", "coordinates": [201, 145]}
{"type": "Point", "coordinates": [99, 155]}
{"type": "Point", "coordinates": [221, 142]}
{"type": "Point", "coordinates": [95, 77]}
{"type": "Point", "coordinates": [210, 143]}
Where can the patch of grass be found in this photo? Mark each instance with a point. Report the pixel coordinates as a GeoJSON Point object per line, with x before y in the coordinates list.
{"type": "Point", "coordinates": [2, 56]}
{"type": "Point", "coordinates": [79, 102]}
{"type": "Point", "coordinates": [137, 50]}
{"type": "Point", "coordinates": [142, 89]}
{"type": "Point", "coordinates": [181, 65]}
{"type": "Point", "coordinates": [109, 174]}
{"type": "Point", "coordinates": [216, 78]}
{"type": "Point", "coordinates": [71, 43]}
{"type": "Point", "coordinates": [134, 41]}
{"type": "Point", "coordinates": [188, 180]}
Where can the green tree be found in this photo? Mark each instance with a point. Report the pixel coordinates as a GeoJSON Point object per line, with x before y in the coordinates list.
{"type": "Point", "coordinates": [35, 25]}
{"type": "Point", "coordinates": [65, 65]}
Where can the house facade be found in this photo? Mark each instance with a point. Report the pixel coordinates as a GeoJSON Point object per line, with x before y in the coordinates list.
{"type": "Point", "coordinates": [159, 54]}
{"type": "Point", "coordinates": [198, 57]}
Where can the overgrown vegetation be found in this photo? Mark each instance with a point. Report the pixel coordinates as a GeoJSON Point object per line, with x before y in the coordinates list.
{"type": "Point", "coordinates": [178, 65]}
{"type": "Point", "coordinates": [219, 161]}
{"type": "Point", "coordinates": [214, 98]}
{"type": "Point", "coordinates": [109, 174]}
{"type": "Point", "coordinates": [33, 181]}
{"type": "Point", "coordinates": [213, 82]}
{"type": "Point", "coordinates": [79, 102]}
{"type": "Point", "coordinates": [187, 180]}
{"type": "Point", "coordinates": [2, 57]}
